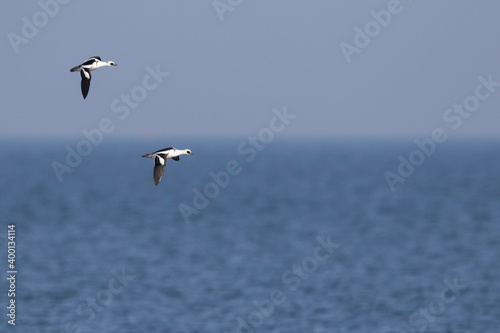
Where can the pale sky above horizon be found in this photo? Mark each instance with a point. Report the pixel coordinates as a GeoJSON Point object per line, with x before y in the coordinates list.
{"type": "Point", "coordinates": [227, 70]}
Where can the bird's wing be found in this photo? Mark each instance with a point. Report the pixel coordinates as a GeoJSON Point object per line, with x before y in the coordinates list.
{"type": "Point", "coordinates": [86, 76]}
{"type": "Point", "coordinates": [176, 158]}
{"type": "Point", "coordinates": [160, 161]}
{"type": "Point", "coordinates": [90, 61]}
{"type": "Point", "coordinates": [164, 149]}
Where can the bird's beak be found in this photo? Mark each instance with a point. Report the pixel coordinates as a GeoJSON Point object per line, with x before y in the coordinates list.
{"type": "Point", "coordinates": [115, 65]}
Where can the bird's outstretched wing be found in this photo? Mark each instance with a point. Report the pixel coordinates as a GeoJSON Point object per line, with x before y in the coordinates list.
{"type": "Point", "coordinates": [160, 162]}
{"type": "Point", "coordinates": [86, 76]}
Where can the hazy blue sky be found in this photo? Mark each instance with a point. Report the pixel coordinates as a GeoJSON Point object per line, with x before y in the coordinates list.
{"type": "Point", "coordinates": [226, 76]}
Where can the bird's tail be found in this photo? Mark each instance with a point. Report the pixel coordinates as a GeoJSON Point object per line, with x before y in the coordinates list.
{"type": "Point", "coordinates": [148, 155]}
{"type": "Point", "coordinates": [74, 69]}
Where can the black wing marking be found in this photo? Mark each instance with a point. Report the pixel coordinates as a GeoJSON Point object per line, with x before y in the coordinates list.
{"type": "Point", "coordinates": [86, 76]}
{"type": "Point", "coordinates": [160, 162]}
{"type": "Point", "coordinates": [89, 61]}
{"type": "Point", "coordinates": [168, 148]}
{"type": "Point", "coordinates": [175, 158]}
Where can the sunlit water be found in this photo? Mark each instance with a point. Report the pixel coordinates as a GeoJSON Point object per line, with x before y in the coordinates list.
{"type": "Point", "coordinates": [107, 251]}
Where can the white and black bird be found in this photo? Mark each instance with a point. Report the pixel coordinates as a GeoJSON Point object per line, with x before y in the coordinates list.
{"type": "Point", "coordinates": [86, 67]}
{"type": "Point", "coordinates": [160, 157]}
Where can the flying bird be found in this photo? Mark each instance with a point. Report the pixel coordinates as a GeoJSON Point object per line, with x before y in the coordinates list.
{"type": "Point", "coordinates": [86, 67]}
{"type": "Point", "coordinates": [160, 157]}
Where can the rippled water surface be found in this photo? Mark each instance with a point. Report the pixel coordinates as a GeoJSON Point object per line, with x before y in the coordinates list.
{"type": "Point", "coordinates": [107, 251]}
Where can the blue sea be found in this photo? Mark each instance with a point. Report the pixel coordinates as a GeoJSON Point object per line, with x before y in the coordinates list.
{"type": "Point", "coordinates": [300, 237]}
